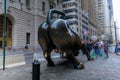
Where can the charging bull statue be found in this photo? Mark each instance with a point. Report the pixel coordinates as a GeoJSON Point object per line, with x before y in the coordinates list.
{"type": "Point", "coordinates": [55, 34]}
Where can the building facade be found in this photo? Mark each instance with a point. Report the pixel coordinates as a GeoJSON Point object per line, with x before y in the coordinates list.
{"type": "Point", "coordinates": [25, 16]}
{"type": "Point", "coordinates": [100, 5]}
{"type": "Point", "coordinates": [112, 28]}
{"type": "Point", "coordinates": [105, 18]}
{"type": "Point", "coordinates": [90, 6]}
{"type": "Point", "coordinates": [70, 7]}
{"type": "Point", "coordinates": [23, 19]}
{"type": "Point", "coordinates": [85, 27]}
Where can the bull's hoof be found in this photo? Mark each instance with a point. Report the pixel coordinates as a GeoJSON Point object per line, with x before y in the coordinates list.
{"type": "Point", "coordinates": [51, 65]}
{"type": "Point", "coordinates": [80, 66]}
{"type": "Point", "coordinates": [90, 59]}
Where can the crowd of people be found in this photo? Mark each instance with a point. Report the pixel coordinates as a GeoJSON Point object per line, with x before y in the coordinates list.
{"type": "Point", "coordinates": [97, 48]}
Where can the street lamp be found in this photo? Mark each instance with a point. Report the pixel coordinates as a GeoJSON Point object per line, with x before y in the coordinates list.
{"type": "Point", "coordinates": [115, 33]}
{"type": "Point", "coordinates": [4, 35]}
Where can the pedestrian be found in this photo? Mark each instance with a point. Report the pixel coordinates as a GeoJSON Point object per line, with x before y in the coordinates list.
{"type": "Point", "coordinates": [102, 48]}
{"type": "Point", "coordinates": [116, 49]}
{"type": "Point", "coordinates": [89, 45]}
{"type": "Point", "coordinates": [100, 44]}
{"type": "Point", "coordinates": [106, 48]}
{"type": "Point", "coordinates": [96, 49]}
{"type": "Point", "coordinates": [84, 42]}
{"type": "Point", "coordinates": [118, 46]}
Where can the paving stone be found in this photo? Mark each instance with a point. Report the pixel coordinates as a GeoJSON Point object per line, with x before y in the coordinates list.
{"type": "Point", "coordinates": [99, 69]}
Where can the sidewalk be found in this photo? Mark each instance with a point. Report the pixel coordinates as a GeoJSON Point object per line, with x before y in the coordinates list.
{"type": "Point", "coordinates": [23, 72]}
{"type": "Point", "coordinates": [99, 69]}
{"type": "Point", "coordinates": [21, 57]}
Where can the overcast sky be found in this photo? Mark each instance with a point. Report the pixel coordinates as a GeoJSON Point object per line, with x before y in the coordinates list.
{"type": "Point", "coordinates": [116, 11]}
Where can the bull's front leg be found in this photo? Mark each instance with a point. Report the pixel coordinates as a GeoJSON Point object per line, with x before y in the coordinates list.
{"type": "Point", "coordinates": [83, 48]}
{"type": "Point", "coordinates": [77, 64]}
{"type": "Point", "coordinates": [47, 56]}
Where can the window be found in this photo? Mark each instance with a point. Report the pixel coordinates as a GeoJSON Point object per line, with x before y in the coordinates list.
{"type": "Point", "coordinates": [77, 30]}
{"type": "Point", "coordinates": [27, 38]}
{"type": "Point", "coordinates": [12, 1]}
{"type": "Point", "coordinates": [71, 16]}
{"type": "Point", "coordinates": [70, 10]}
{"type": "Point", "coordinates": [0, 44]}
{"type": "Point", "coordinates": [58, 1]}
{"type": "Point", "coordinates": [69, 5]}
{"type": "Point", "coordinates": [84, 16]}
{"type": "Point", "coordinates": [8, 27]}
{"type": "Point", "coordinates": [19, 0]}
{"type": "Point", "coordinates": [85, 22]}
{"type": "Point", "coordinates": [43, 6]}
{"type": "Point", "coordinates": [28, 4]}
{"type": "Point", "coordinates": [51, 7]}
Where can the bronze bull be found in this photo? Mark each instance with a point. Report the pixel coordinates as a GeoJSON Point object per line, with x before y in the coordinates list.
{"type": "Point", "coordinates": [55, 34]}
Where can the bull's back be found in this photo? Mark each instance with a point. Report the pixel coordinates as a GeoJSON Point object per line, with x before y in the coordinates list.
{"type": "Point", "coordinates": [61, 35]}
{"type": "Point", "coordinates": [43, 37]}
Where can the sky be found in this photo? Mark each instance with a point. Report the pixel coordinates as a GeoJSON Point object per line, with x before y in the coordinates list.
{"type": "Point", "coordinates": [116, 11]}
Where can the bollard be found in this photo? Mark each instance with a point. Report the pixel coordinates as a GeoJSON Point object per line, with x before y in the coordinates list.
{"type": "Point", "coordinates": [36, 70]}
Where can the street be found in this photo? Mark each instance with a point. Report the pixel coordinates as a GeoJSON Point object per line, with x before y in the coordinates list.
{"type": "Point", "coordinates": [32, 30]}
{"type": "Point", "coordinates": [99, 69]}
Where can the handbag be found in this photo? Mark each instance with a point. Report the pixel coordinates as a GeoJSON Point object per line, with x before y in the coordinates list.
{"type": "Point", "coordinates": [92, 54]}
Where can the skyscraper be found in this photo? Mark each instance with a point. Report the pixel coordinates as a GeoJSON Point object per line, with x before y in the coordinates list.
{"type": "Point", "coordinates": [70, 7]}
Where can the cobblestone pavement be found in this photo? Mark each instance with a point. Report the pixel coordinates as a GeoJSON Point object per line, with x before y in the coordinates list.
{"type": "Point", "coordinates": [99, 69]}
